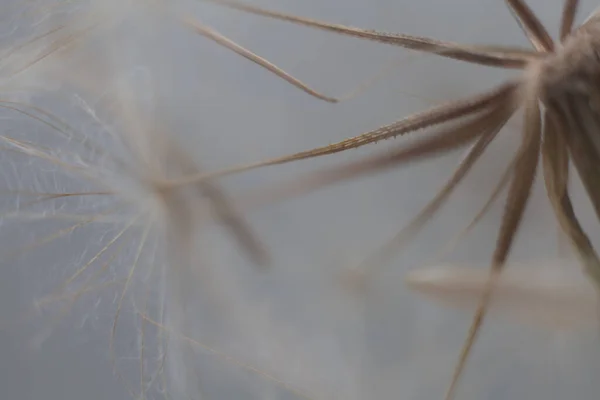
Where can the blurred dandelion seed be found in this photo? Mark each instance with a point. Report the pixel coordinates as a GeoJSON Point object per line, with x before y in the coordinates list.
{"type": "Point", "coordinates": [116, 175]}
{"type": "Point", "coordinates": [529, 294]}
{"type": "Point", "coordinates": [139, 211]}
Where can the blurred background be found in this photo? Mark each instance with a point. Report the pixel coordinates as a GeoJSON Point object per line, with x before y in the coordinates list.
{"type": "Point", "coordinates": [296, 323]}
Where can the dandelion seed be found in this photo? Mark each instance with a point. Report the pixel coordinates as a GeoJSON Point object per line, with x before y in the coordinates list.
{"type": "Point", "coordinates": [556, 89]}
{"type": "Point", "coordinates": [145, 233]}
{"type": "Point", "coordinates": [532, 295]}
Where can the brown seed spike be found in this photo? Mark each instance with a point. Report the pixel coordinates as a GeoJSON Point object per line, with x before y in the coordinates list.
{"type": "Point", "coordinates": [562, 76]}
{"type": "Point", "coordinates": [568, 18]}
{"type": "Point", "coordinates": [449, 112]}
{"type": "Point", "coordinates": [531, 25]}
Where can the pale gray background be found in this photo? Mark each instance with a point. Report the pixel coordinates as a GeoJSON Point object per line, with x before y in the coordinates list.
{"type": "Point", "coordinates": [394, 344]}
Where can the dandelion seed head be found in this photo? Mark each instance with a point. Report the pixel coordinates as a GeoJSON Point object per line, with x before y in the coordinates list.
{"type": "Point", "coordinates": [167, 278]}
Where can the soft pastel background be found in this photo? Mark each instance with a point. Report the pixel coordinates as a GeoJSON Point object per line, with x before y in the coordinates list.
{"type": "Point", "coordinates": [296, 322]}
